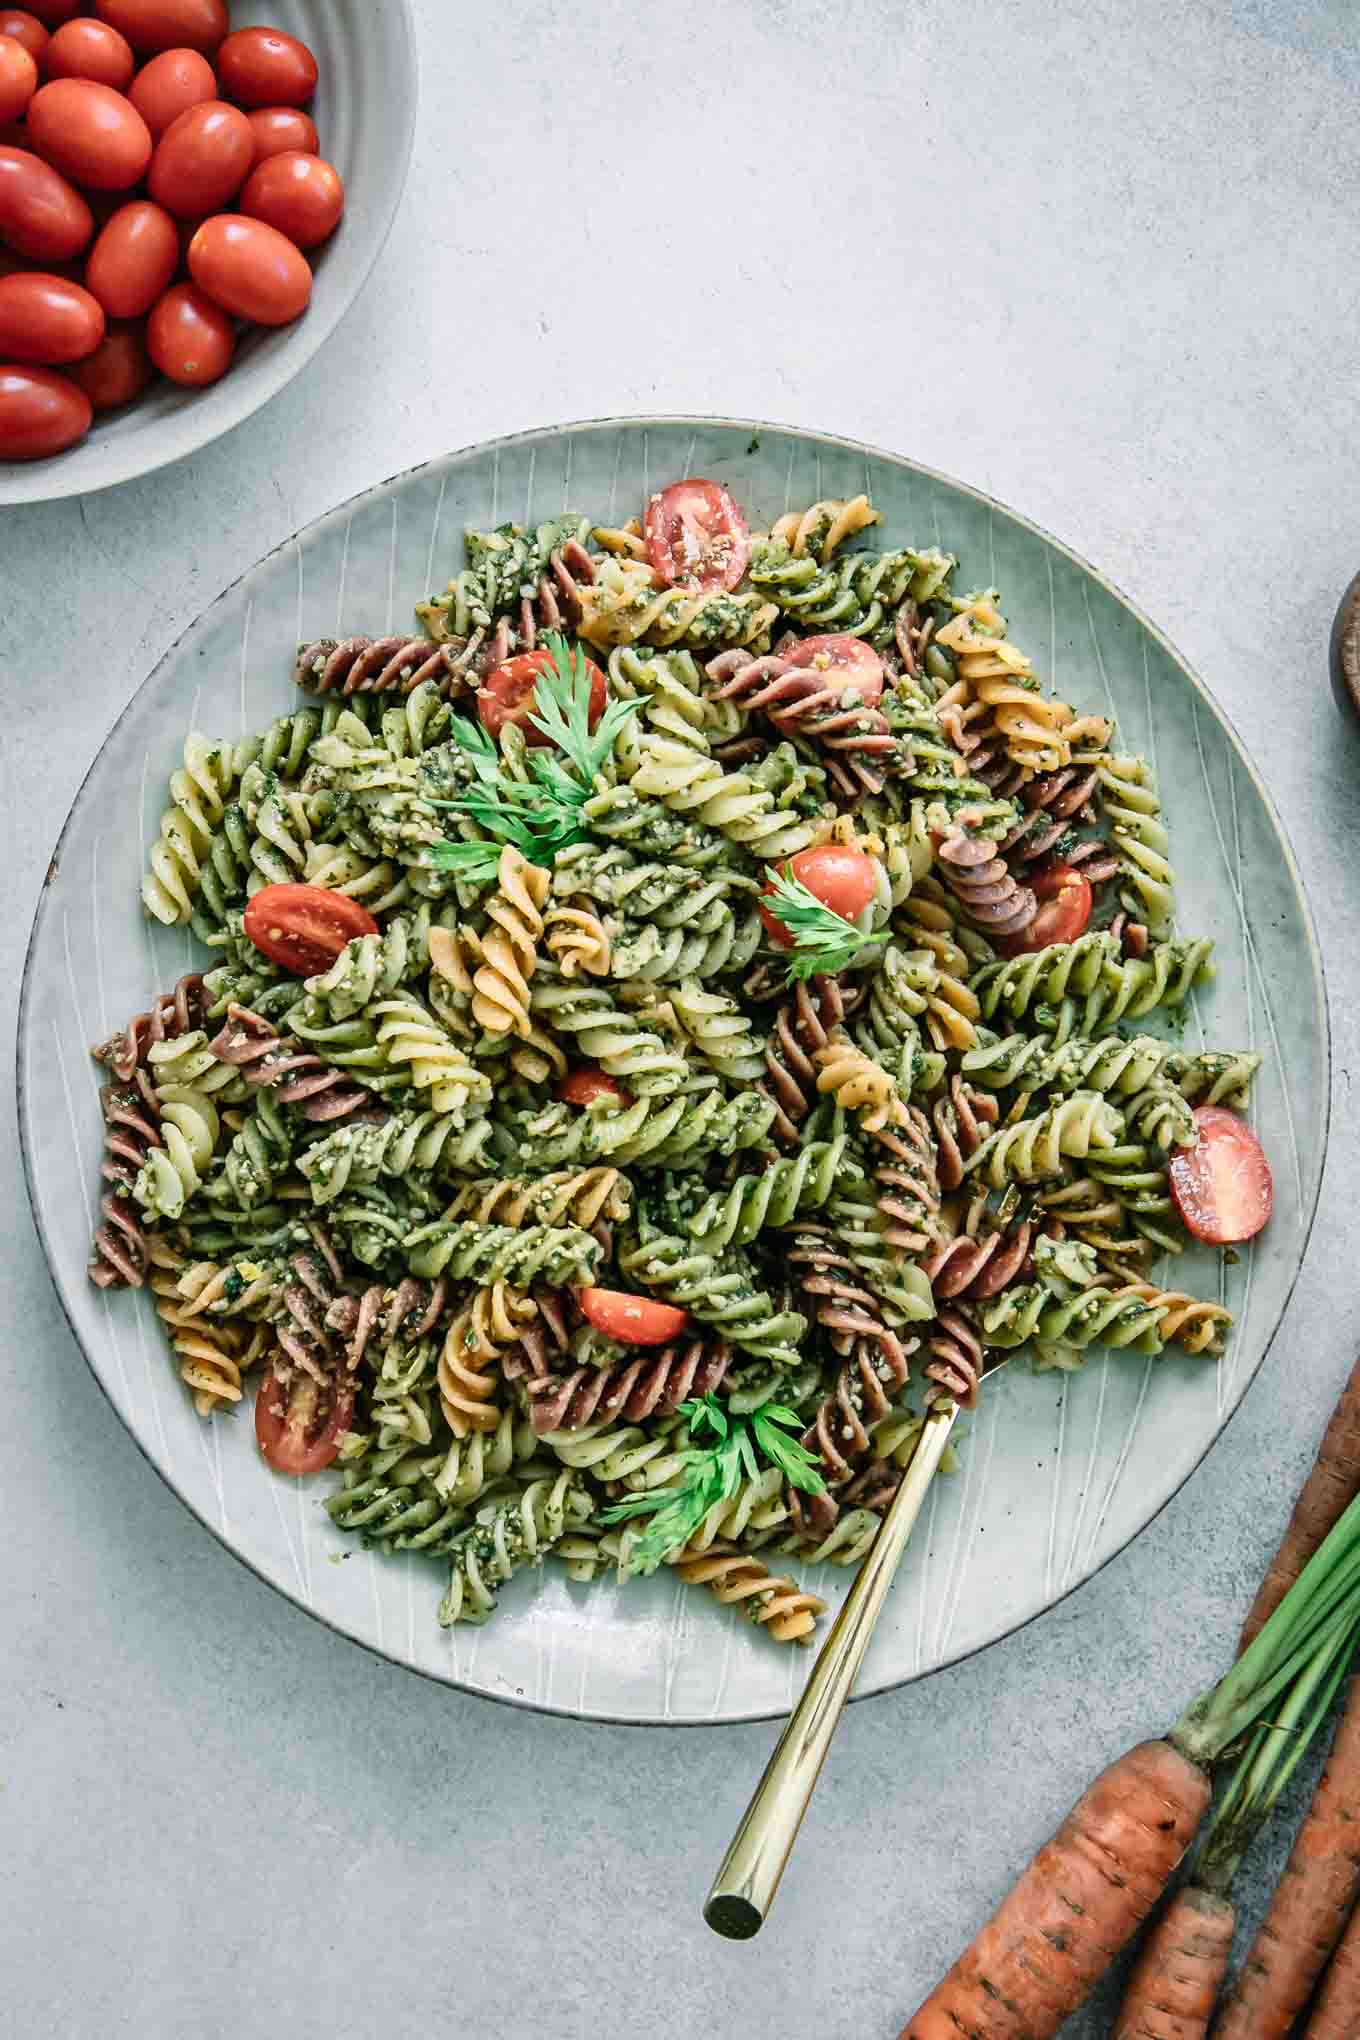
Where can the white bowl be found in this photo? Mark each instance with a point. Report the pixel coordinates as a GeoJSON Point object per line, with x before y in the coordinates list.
{"type": "Point", "coordinates": [365, 110]}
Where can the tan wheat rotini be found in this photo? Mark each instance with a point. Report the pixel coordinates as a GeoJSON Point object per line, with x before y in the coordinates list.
{"type": "Point", "coordinates": [578, 939]}
{"type": "Point", "coordinates": [494, 1317]}
{"type": "Point", "coordinates": [500, 985]}
{"type": "Point", "coordinates": [740, 1579]}
{"type": "Point", "coordinates": [859, 1085]}
{"type": "Point", "coordinates": [824, 526]}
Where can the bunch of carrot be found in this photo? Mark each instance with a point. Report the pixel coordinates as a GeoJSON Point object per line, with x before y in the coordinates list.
{"type": "Point", "coordinates": [1084, 1896]}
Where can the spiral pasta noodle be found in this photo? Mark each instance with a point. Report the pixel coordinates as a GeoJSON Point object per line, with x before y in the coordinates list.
{"type": "Point", "coordinates": [198, 796]}
{"type": "Point", "coordinates": [739, 1579]}
{"type": "Point", "coordinates": [623, 607]}
{"type": "Point", "coordinates": [495, 1316]}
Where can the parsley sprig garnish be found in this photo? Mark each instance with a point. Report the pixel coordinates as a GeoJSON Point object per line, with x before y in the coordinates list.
{"type": "Point", "coordinates": [714, 1474]}
{"type": "Point", "coordinates": [823, 940]}
{"type": "Point", "coordinates": [542, 815]}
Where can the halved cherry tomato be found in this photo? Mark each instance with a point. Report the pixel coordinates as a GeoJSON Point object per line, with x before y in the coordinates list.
{"type": "Point", "coordinates": [90, 49]}
{"type": "Point", "coordinates": [25, 28]}
{"type": "Point", "coordinates": [265, 67]}
{"type": "Point", "coordinates": [90, 132]}
{"type": "Point", "coordinates": [152, 25]}
{"type": "Point", "coordinates": [1064, 896]}
{"type": "Point", "coordinates": [633, 1320]}
{"type": "Point", "coordinates": [40, 413]}
{"type": "Point", "coordinates": [507, 695]}
{"type": "Point", "coordinates": [18, 77]}
{"type": "Point", "coordinates": [251, 269]}
{"type": "Point", "coordinates": [298, 1428]}
{"type": "Point", "coordinates": [279, 128]}
{"type": "Point", "coordinates": [41, 215]}
{"type": "Point", "coordinates": [201, 160]}
{"type": "Point", "coordinates": [133, 259]}
{"type": "Point", "coordinates": [1222, 1186]}
{"type": "Point", "coordinates": [842, 662]}
{"type": "Point", "coordinates": [189, 338]}
{"type": "Point", "coordinates": [118, 370]}
{"type": "Point", "coordinates": [43, 318]}
{"type": "Point", "coordinates": [837, 874]}
{"type": "Point", "coordinates": [696, 535]}
{"type": "Point", "coordinates": [584, 1085]}
{"type": "Point", "coordinates": [303, 928]}
{"type": "Point", "coordinates": [298, 193]}
{"type": "Point", "coordinates": [169, 85]}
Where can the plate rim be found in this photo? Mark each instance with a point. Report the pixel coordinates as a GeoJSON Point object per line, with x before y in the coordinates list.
{"type": "Point", "coordinates": [184, 437]}
{"type": "Point", "coordinates": [754, 426]}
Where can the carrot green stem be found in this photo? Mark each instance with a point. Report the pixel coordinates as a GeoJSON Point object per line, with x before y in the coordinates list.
{"type": "Point", "coordinates": [1274, 1752]}
{"type": "Point", "coordinates": [1323, 1603]}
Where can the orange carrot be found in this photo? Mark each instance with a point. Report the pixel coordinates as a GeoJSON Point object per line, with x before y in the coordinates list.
{"type": "Point", "coordinates": [1336, 2015]}
{"type": "Point", "coordinates": [1311, 1903]}
{"type": "Point", "coordinates": [1329, 1489]}
{"type": "Point", "coordinates": [1081, 1899]}
{"type": "Point", "coordinates": [1175, 1982]}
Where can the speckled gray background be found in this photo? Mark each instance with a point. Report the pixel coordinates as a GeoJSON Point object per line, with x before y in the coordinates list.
{"type": "Point", "coordinates": [1098, 260]}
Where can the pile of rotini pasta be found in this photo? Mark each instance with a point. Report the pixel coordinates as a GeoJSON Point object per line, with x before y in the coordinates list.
{"type": "Point", "coordinates": [854, 1185]}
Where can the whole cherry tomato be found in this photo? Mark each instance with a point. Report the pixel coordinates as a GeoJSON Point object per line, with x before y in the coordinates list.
{"type": "Point", "coordinates": [26, 29]}
{"type": "Point", "coordinates": [838, 875]}
{"type": "Point", "coordinates": [632, 1320]}
{"type": "Point", "coordinates": [299, 194]}
{"type": "Point", "coordinates": [265, 67]}
{"type": "Point", "coordinates": [840, 663]}
{"type": "Point", "coordinates": [298, 1428]}
{"type": "Point", "coordinates": [18, 78]}
{"type": "Point", "coordinates": [202, 159]}
{"type": "Point", "coordinates": [303, 928]}
{"type": "Point", "coordinates": [279, 128]}
{"type": "Point", "coordinates": [583, 1085]}
{"type": "Point", "coordinates": [90, 133]}
{"type": "Point", "coordinates": [696, 535]}
{"type": "Point", "coordinates": [189, 338]}
{"type": "Point", "coordinates": [118, 370]}
{"type": "Point", "coordinates": [40, 413]}
{"type": "Point", "coordinates": [169, 85]}
{"type": "Point", "coordinates": [507, 695]}
{"type": "Point", "coordinates": [152, 25]}
{"type": "Point", "coordinates": [45, 319]}
{"type": "Point", "coordinates": [250, 269]}
{"type": "Point", "coordinates": [41, 215]}
{"type": "Point", "coordinates": [133, 259]}
{"type": "Point", "coordinates": [91, 49]}
{"type": "Point", "coordinates": [1222, 1185]}
{"type": "Point", "coordinates": [1064, 896]}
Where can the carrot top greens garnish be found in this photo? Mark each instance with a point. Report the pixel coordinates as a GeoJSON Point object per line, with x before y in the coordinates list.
{"type": "Point", "coordinates": [540, 815]}
{"type": "Point", "coordinates": [714, 1474]}
{"type": "Point", "coordinates": [823, 940]}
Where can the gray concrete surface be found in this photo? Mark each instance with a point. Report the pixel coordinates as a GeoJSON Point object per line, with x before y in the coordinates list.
{"type": "Point", "coordinates": [1098, 259]}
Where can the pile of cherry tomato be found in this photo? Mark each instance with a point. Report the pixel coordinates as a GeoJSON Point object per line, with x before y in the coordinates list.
{"type": "Point", "coordinates": [160, 183]}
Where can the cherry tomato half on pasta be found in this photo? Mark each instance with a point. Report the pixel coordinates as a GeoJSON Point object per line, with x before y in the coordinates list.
{"type": "Point", "coordinates": [838, 875]}
{"type": "Point", "coordinates": [1064, 897]}
{"type": "Point", "coordinates": [632, 1320]}
{"type": "Point", "coordinates": [298, 1427]}
{"type": "Point", "coordinates": [507, 695]}
{"type": "Point", "coordinates": [840, 663]}
{"type": "Point", "coordinates": [696, 535]}
{"type": "Point", "coordinates": [584, 1085]}
{"type": "Point", "coordinates": [303, 928]}
{"type": "Point", "coordinates": [1222, 1185]}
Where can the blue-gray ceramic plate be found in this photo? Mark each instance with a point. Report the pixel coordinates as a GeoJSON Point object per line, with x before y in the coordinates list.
{"type": "Point", "coordinates": [1058, 1471]}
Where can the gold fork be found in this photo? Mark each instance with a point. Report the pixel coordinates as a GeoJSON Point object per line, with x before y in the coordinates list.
{"type": "Point", "coordinates": [748, 1877]}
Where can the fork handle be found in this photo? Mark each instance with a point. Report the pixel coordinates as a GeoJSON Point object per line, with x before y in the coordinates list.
{"type": "Point", "coordinates": [744, 1888]}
